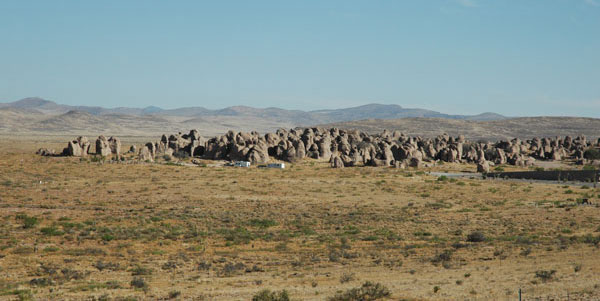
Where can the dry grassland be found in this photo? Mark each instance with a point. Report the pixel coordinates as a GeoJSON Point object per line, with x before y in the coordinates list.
{"type": "Point", "coordinates": [76, 229]}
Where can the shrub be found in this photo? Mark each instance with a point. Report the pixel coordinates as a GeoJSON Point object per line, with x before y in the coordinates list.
{"type": "Point", "coordinates": [51, 249]}
{"type": "Point", "coordinates": [545, 275]}
{"type": "Point", "coordinates": [368, 291]}
{"type": "Point", "coordinates": [41, 282]}
{"type": "Point", "coordinates": [174, 294]}
{"type": "Point", "coordinates": [346, 277]}
{"type": "Point", "coordinates": [445, 256]}
{"type": "Point", "coordinates": [138, 282]}
{"type": "Point", "coordinates": [592, 154]}
{"type": "Point", "coordinates": [85, 252]}
{"type": "Point", "coordinates": [262, 223]}
{"type": "Point", "coordinates": [139, 270]}
{"type": "Point", "coordinates": [267, 295]}
{"type": "Point", "coordinates": [51, 231]}
{"type": "Point", "coordinates": [181, 154]}
{"type": "Point", "coordinates": [239, 235]}
{"type": "Point", "coordinates": [476, 236]}
{"type": "Point", "coordinates": [28, 221]}
{"type": "Point", "coordinates": [101, 265]}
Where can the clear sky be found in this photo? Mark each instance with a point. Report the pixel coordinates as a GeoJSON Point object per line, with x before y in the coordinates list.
{"type": "Point", "coordinates": [514, 57]}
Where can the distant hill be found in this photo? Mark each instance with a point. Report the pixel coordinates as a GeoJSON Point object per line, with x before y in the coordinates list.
{"type": "Point", "coordinates": [39, 116]}
{"type": "Point", "coordinates": [373, 111]}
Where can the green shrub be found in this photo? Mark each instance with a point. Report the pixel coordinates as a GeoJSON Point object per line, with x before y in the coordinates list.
{"type": "Point", "coordinates": [238, 235]}
{"type": "Point", "coordinates": [592, 154]}
{"type": "Point", "coordinates": [28, 221]}
{"type": "Point", "coordinates": [51, 231]}
{"type": "Point", "coordinates": [107, 237]}
{"type": "Point", "coordinates": [267, 295]}
{"type": "Point", "coordinates": [51, 249]}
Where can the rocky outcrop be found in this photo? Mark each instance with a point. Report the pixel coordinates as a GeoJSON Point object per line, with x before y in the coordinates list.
{"type": "Point", "coordinates": [78, 147]}
{"type": "Point", "coordinates": [344, 148]}
{"type": "Point", "coordinates": [483, 166]}
{"type": "Point", "coordinates": [115, 145]}
{"type": "Point", "coordinates": [145, 154]}
{"type": "Point", "coordinates": [102, 147]}
{"type": "Point", "coordinates": [336, 162]}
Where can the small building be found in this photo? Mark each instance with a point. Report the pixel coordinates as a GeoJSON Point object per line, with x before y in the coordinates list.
{"type": "Point", "coordinates": [241, 164]}
{"type": "Point", "coordinates": [276, 165]}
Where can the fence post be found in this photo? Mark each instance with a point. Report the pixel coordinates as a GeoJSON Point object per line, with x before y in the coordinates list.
{"type": "Point", "coordinates": [519, 294]}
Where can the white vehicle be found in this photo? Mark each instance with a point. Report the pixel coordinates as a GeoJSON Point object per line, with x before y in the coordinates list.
{"type": "Point", "coordinates": [276, 165]}
{"type": "Point", "coordinates": [241, 164]}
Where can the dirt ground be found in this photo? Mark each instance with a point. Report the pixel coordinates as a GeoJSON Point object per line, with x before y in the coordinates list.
{"type": "Point", "coordinates": [88, 229]}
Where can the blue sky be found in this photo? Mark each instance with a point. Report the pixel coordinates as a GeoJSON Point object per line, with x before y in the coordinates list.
{"type": "Point", "coordinates": [457, 56]}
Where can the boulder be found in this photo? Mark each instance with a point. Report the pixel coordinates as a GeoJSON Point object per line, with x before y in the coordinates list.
{"type": "Point", "coordinates": [145, 154]}
{"type": "Point", "coordinates": [102, 146]}
{"type": "Point", "coordinates": [73, 149]}
{"type": "Point", "coordinates": [336, 162]}
{"type": "Point", "coordinates": [483, 167]}
{"type": "Point", "coordinates": [115, 145]}
{"type": "Point", "coordinates": [85, 144]}
{"type": "Point", "coordinates": [45, 152]}
{"type": "Point", "coordinates": [415, 162]}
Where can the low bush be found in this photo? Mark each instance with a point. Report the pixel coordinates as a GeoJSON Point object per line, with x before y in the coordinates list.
{"type": "Point", "coordinates": [545, 275]}
{"type": "Point", "coordinates": [368, 291]}
{"type": "Point", "coordinates": [138, 282]}
{"type": "Point", "coordinates": [476, 236]}
{"type": "Point", "coordinates": [267, 295]}
{"type": "Point", "coordinates": [592, 154]}
{"type": "Point", "coordinates": [28, 221]}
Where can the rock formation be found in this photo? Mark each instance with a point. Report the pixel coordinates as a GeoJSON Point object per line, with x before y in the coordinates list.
{"type": "Point", "coordinates": [344, 148]}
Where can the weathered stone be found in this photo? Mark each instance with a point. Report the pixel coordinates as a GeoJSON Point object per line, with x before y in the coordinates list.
{"type": "Point", "coordinates": [45, 152]}
{"type": "Point", "coordinates": [115, 145]}
{"type": "Point", "coordinates": [74, 149]}
{"type": "Point", "coordinates": [483, 166]}
{"type": "Point", "coordinates": [336, 162]}
{"type": "Point", "coordinates": [103, 147]}
{"type": "Point", "coordinates": [145, 155]}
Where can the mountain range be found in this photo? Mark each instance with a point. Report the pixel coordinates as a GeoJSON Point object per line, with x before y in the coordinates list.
{"type": "Point", "coordinates": [41, 115]}
{"type": "Point", "coordinates": [37, 116]}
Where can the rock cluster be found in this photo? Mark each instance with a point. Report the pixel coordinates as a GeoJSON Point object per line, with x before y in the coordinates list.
{"type": "Point", "coordinates": [80, 147]}
{"type": "Point", "coordinates": [344, 148]}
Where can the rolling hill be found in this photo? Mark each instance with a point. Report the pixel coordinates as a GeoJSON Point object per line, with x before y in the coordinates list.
{"type": "Point", "coordinates": [40, 116]}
